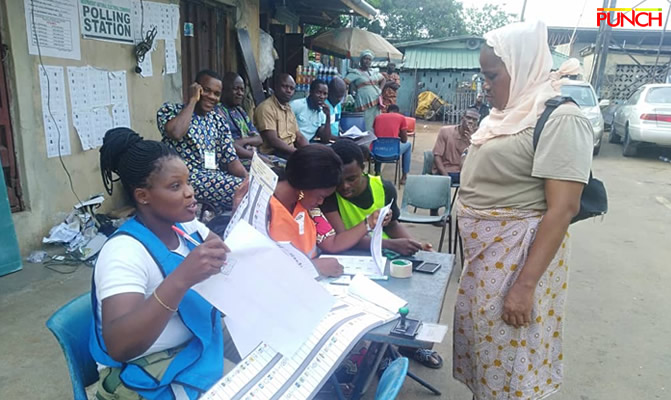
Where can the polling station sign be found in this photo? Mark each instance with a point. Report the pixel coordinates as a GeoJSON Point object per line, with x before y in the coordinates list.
{"type": "Point", "coordinates": [106, 20]}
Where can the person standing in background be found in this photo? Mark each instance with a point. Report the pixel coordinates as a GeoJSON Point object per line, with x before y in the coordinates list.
{"type": "Point", "coordinates": [481, 106]}
{"type": "Point", "coordinates": [366, 82]}
{"type": "Point", "coordinates": [391, 75]}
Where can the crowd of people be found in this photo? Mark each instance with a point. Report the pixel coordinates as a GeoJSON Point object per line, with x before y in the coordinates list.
{"type": "Point", "coordinates": [154, 337]}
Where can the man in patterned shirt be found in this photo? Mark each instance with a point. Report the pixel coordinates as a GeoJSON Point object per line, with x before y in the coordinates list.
{"type": "Point", "coordinates": [203, 140]}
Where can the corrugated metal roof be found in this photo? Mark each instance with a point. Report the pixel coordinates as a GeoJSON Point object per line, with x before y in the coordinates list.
{"type": "Point", "coordinates": [428, 58]}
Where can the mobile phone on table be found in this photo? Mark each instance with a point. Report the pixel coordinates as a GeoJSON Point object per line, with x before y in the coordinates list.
{"type": "Point", "coordinates": [427, 267]}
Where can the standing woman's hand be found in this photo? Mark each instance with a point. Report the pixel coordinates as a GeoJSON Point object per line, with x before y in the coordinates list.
{"type": "Point", "coordinates": [517, 305]}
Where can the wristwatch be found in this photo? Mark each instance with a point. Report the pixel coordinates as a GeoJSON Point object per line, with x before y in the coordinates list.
{"type": "Point", "coordinates": [368, 225]}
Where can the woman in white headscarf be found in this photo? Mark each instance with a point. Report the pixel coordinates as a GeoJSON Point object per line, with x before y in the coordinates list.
{"type": "Point", "coordinates": [366, 82]}
{"type": "Point", "coordinates": [515, 206]}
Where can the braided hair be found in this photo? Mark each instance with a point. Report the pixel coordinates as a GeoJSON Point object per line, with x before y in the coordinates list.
{"type": "Point", "coordinates": [131, 158]}
{"type": "Point", "coordinates": [315, 166]}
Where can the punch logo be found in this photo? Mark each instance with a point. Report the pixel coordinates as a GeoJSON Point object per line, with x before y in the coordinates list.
{"type": "Point", "coordinates": [629, 17]}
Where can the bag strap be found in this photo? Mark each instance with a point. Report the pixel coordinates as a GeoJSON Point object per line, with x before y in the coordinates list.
{"type": "Point", "coordinates": [550, 106]}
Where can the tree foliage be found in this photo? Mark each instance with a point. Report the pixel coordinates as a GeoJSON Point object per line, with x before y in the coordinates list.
{"type": "Point", "coordinates": [479, 21]}
{"type": "Point", "coordinates": [402, 20]}
{"type": "Point", "coordinates": [416, 19]}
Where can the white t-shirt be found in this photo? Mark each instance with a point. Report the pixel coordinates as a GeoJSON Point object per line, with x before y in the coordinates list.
{"type": "Point", "coordinates": [125, 266]}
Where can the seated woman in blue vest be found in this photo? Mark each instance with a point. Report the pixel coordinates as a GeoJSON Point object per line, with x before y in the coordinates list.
{"type": "Point", "coordinates": [153, 336]}
{"type": "Point", "coordinates": [358, 195]}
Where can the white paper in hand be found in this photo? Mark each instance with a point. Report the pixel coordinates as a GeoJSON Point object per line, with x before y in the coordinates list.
{"type": "Point", "coordinates": [264, 293]}
{"type": "Point", "coordinates": [376, 239]}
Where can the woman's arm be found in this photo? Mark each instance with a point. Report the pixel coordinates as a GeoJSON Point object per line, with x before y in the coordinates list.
{"type": "Point", "coordinates": [563, 201]}
{"type": "Point", "coordinates": [346, 239]}
{"type": "Point", "coordinates": [131, 323]}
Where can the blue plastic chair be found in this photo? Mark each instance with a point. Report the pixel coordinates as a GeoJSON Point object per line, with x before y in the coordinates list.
{"type": "Point", "coordinates": [392, 379]}
{"type": "Point", "coordinates": [71, 325]}
{"type": "Point", "coordinates": [387, 150]}
{"type": "Point", "coordinates": [428, 192]}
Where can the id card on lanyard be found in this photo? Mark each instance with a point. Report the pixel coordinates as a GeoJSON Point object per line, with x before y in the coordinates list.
{"type": "Point", "coordinates": [207, 151]}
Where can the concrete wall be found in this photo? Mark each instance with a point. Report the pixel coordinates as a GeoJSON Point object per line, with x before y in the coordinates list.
{"type": "Point", "coordinates": [45, 186]}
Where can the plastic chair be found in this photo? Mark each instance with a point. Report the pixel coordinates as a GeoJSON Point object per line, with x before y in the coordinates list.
{"type": "Point", "coordinates": [411, 124]}
{"type": "Point", "coordinates": [428, 163]}
{"type": "Point", "coordinates": [392, 379]}
{"type": "Point", "coordinates": [71, 325]}
{"type": "Point", "coordinates": [428, 192]}
{"type": "Point", "coordinates": [387, 150]}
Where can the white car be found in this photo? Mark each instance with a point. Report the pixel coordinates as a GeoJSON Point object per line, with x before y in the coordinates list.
{"type": "Point", "coordinates": [583, 94]}
{"type": "Point", "coordinates": [644, 118]}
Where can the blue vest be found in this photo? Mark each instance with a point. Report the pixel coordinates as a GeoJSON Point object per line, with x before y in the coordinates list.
{"type": "Point", "coordinates": [197, 366]}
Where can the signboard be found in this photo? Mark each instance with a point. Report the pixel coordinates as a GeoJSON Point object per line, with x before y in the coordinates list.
{"type": "Point", "coordinates": [106, 20]}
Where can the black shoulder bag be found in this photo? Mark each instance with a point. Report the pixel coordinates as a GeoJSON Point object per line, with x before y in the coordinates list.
{"type": "Point", "coordinates": [594, 200]}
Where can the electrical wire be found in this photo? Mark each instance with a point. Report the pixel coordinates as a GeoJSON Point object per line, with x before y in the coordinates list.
{"type": "Point", "coordinates": [145, 45]}
{"type": "Point", "coordinates": [51, 115]}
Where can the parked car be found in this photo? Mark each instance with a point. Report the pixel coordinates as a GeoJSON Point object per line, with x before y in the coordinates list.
{"type": "Point", "coordinates": [644, 118]}
{"type": "Point", "coordinates": [583, 94]}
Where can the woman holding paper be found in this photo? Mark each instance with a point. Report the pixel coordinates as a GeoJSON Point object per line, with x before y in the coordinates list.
{"type": "Point", "coordinates": [311, 175]}
{"type": "Point", "coordinates": [153, 336]}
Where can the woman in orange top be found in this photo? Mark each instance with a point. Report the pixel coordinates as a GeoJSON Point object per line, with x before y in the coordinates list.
{"type": "Point", "coordinates": [311, 175]}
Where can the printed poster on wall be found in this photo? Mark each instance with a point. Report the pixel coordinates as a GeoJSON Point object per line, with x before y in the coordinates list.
{"type": "Point", "coordinates": [53, 25]}
{"type": "Point", "coordinates": [106, 20]}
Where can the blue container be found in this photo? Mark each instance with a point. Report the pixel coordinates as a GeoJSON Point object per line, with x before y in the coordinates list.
{"type": "Point", "coordinates": [349, 119]}
{"type": "Point", "coordinates": [10, 256]}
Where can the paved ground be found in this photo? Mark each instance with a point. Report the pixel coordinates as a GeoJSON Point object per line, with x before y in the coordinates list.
{"type": "Point", "coordinates": [618, 322]}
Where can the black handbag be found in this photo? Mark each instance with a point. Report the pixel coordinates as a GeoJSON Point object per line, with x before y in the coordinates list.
{"type": "Point", "coordinates": [594, 199]}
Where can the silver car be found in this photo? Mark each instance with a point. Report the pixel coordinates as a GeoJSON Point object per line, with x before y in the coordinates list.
{"type": "Point", "coordinates": [583, 94]}
{"type": "Point", "coordinates": [644, 118]}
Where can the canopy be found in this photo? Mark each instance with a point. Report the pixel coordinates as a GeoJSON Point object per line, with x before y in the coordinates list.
{"type": "Point", "coordinates": [350, 42]}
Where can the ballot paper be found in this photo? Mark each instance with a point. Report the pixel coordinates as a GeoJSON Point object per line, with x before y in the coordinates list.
{"type": "Point", "coordinates": [265, 294]}
{"type": "Point", "coordinates": [254, 206]}
{"type": "Point", "coordinates": [266, 374]}
{"type": "Point", "coordinates": [365, 265]}
{"type": "Point", "coordinates": [376, 239]}
{"type": "Point", "coordinates": [353, 133]}
{"type": "Point", "coordinates": [367, 290]}
{"type": "Point", "coordinates": [433, 333]}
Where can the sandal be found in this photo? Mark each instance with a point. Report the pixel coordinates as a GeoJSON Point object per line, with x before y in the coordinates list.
{"type": "Point", "coordinates": [426, 357]}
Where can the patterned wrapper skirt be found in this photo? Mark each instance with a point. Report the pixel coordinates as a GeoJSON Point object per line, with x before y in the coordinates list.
{"type": "Point", "coordinates": [495, 360]}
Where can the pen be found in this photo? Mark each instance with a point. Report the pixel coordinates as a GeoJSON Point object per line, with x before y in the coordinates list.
{"type": "Point", "coordinates": [185, 236]}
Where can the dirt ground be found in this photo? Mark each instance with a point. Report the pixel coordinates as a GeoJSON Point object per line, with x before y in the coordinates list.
{"type": "Point", "coordinates": [617, 327]}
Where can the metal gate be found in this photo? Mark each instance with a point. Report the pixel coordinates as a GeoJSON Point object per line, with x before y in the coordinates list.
{"type": "Point", "coordinates": [464, 97]}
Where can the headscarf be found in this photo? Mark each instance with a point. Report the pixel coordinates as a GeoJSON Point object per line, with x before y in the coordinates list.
{"type": "Point", "coordinates": [523, 48]}
{"type": "Point", "coordinates": [365, 53]}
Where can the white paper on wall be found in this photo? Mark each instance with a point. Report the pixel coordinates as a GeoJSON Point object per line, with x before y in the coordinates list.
{"type": "Point", "coordinates": [54, 111]}
{"type": "Point", "coordinates": [99, 87]}
{"type": "Point", "coordinates": [83, 122]}
{"type": "Point", "coordinates": [170, 56]}
{"type": "Point", "coordinates": [121, 115]}
{"type": "Point", "coordinates": [146, 66]}
{"type": "Point", "coordinates": [118, 87]}
{"type": "Point", "coordinates": [56, 28]}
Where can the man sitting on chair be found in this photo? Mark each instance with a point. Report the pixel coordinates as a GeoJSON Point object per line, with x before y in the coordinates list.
{"type": "Point", "coordinates": [451, 143]}
{"type": "Point", "coordinates": [358, 196]}
{"type": "Point", "coordinates": [392, 124]}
